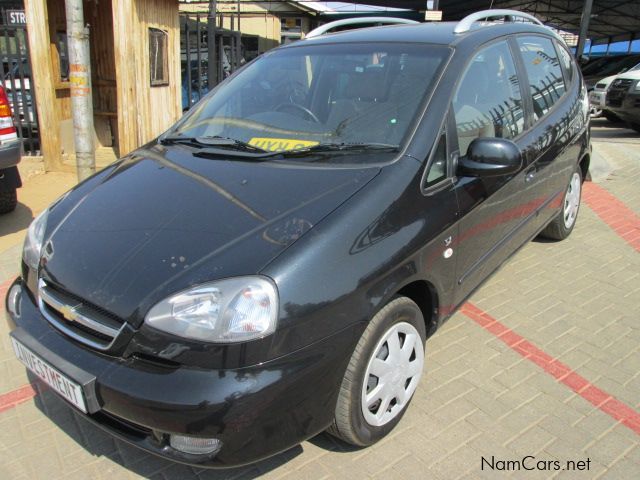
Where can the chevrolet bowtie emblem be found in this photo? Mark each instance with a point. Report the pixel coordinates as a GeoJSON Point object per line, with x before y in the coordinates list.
{"type": "Point", "coordinates": [69, 313]}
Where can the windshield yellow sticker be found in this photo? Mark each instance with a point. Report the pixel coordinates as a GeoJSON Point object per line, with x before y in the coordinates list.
{"type": "Point", "coordinates": [280, 144]}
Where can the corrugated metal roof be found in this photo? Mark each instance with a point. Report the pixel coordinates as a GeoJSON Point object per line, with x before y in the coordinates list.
{"type": "Point", "coordinates": [610, 18]}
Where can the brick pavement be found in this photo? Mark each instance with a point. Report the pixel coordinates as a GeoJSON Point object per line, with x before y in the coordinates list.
{"type": "Point", "coordinates": [578, 301]}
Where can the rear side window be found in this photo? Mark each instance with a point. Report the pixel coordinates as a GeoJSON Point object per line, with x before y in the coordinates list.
{"type": "Point", "coordinates": [567, 61]}
{"type": "Point", "coordinates": [487, 102]}
{"type": "Point", "coordinates": [546, 84]}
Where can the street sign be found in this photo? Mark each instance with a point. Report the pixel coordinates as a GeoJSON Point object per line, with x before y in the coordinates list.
{"type": "Point", "coordinates": [15, 17]}
{"type": "Point", "coordinates": [433, 15]}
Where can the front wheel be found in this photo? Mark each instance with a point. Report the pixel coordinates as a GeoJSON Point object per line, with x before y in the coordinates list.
{"type": "Point", "coordinates": [562, 225]}
{"type": "Point", "coordinates": [382, 375]}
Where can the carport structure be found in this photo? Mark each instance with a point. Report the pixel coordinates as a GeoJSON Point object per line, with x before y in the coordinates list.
{"type": "Point", "coordinates": [609, 21]}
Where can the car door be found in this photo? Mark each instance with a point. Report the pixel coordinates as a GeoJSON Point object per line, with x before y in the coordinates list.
{"type": "Point", "coordinates": [553, 97]}
{"type": "Point", "coordinates": [439, 202]}
{"type": "Point", "coordinates": [488, 103]}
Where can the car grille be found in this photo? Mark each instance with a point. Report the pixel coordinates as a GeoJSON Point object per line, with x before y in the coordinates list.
{"type": "Point", "coordinates": [618, 91]}
{"type": "Point", "coordinates": [77, 318]}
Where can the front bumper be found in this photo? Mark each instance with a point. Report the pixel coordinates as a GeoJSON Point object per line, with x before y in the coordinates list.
{"type": "Point", "coordinates": [628, 107]}
{"type": "Point", "coordinates": [255, 411]}
{"type": "Point", "coordinates": [10, 153]}
{"type": "Point", "coordinates": [597, 99]}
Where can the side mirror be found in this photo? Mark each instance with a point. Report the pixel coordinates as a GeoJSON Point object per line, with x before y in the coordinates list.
{"type": "Point", "coordinates": [490, 157]}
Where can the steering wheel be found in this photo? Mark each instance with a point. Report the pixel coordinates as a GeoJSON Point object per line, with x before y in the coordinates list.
{"type": "Point", "coordinates": [296, 106]}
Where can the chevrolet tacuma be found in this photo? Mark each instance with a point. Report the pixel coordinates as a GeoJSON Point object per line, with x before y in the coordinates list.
{"type": "Point", "coordinates": [271, 266]}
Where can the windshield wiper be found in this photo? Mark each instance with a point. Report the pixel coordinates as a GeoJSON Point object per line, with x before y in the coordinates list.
{"type": "Point", "coordinates": [336, 147]}
{"type": "Point", "coordinates": [217, 146]}
{"type": "Point", "coordinates": [213, 141]}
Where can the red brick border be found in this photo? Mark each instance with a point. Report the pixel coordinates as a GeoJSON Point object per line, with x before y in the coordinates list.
{"type": "Point", "coordinates": [613, 212]}
{"type": "Point", "coordinates": [16, 397]}
{"type": "Point", "coordinates": [598, 398]}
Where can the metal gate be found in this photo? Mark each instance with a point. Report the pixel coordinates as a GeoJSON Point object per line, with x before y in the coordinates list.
{"type": "Point", "coordinates": [232, 51]}
{"type": "Point", "coordinates": [18, 85]}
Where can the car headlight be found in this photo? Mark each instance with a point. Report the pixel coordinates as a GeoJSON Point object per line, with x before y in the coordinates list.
{"type": "Point", "coordinates": [637, 87]}
{"type": "Point", "coordinates": [34, 239]}
{"type": "Point", "coordinates": [226, 311]}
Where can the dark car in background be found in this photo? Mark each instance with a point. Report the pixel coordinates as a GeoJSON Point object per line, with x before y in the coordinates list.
{"type": "Point", "coordinates": [623, 98]}
{"type": "Point", "coordinates": [271, 266]}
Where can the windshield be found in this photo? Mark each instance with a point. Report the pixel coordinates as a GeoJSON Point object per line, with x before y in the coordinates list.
{"type": "Point", "coordinates": [615, 65]}
{"type": "Point", "coordinates": [339, 94]}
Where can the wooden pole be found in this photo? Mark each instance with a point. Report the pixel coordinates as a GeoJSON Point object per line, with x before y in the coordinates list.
{"type": "Point", "coordinates": [81, 97]}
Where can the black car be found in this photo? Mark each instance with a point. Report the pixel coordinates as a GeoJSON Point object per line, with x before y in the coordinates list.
{"type": "Point", "coordinates": [271, 267]}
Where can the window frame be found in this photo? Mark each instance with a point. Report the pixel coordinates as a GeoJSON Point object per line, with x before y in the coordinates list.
{"type": "Point", "coordinates": [525, 75]}
{"type": "Point", "coordinates": [524, 93]}
{"type": "Point", "coordinates": [449, 178]}
{"type": "Point", "coordinates": [568, 73]}
{"type": "Point", "coordinates": [165, 57]}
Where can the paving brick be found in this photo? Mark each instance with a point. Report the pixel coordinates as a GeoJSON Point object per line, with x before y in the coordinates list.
{"type": "Point", "coordinates": [531, 441]}
{"type": "Point", "coordinates": [610, 448]}
{"type": "Point", "coordinates": [622, 470]}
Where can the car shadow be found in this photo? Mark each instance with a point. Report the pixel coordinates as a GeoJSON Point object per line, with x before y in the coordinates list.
{"type": "Point", "coordinates": [541, 239]}
{"type": "Point", "coordinates": [333, 444]}
{"type": "Point", "coordinates": [606, 131]}
{"type": "Point", "coordinates": [15, 221]}
{"type": "Point", "coordinates": [100, 444]}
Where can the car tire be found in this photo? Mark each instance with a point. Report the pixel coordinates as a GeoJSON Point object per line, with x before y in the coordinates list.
{"type": "Point", "coordinates": [612, 117]}
{"type": "Point", "coordinates": [562, 225]}
{"type": "Point", "coordinates": [8, 201]}
{"type": "Point", "coordinates": [381, 350]}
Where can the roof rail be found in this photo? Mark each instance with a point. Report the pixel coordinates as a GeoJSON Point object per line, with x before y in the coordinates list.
{"type": "Point", "coordinates": [466, 23]}
{"type": "Point", "coordinates": [327, 27]}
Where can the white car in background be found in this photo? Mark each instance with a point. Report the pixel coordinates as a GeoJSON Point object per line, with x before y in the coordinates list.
{"type": "Point", "coordinates": [597, 97]}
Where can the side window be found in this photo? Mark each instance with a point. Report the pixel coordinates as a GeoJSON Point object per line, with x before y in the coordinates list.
{"type": "Point", "coordinates": [567, 61]}
{"type": "Point", "coordinates": [546, 85]}
{"type": "Point", "coordinates": [487, 102]}
{"type": "Point", "coordinates": [438, 167]}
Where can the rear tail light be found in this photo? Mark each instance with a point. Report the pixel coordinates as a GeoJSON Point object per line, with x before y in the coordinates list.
{"type": "Point", "coordinates": [7, 129]}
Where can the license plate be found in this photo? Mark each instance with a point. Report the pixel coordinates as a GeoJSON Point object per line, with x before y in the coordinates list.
{"type": "Point", "coordinates": [67, 388]}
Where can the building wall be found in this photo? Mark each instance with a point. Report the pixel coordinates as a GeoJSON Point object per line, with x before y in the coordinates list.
{"type": "Point", "coordinates": [144, 111]}
{"type": "Point", "coordinates": [266, 27]}
{"type": "Point", "coordinates": [52, 100]}
{"type": "Point", "coordinates": [257, 18]}
{"type": "Point", "coordinates": [122, 93]}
